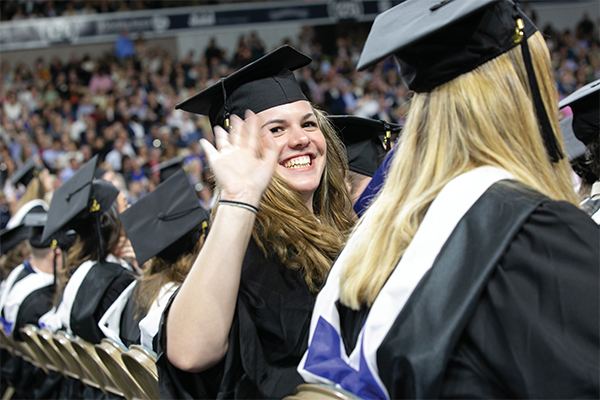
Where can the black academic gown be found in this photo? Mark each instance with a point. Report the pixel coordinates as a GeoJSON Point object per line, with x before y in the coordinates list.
{"type": "Point", "coordinates": [29, 381]}
{"type": "Point", "coordinates": [99, 289]}
{"type": "Point", "coordinates": [34, 304]}
{"type": "Point", "coordinates": [518, 320]}
{"type": "Point", "coordinates": [130, 320]}
{"type": "Point", "coordinates": [268, 337]}
{"type": "Point", "coordinates": [38, 303]}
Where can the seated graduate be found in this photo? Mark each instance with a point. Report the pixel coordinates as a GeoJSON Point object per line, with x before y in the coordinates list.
{"type": "Point", "coordinates": [585, 124]}
{"type": "Point", "coordinates": [32, 179]}
{"type": "Point", "coordinates": [13, 236]}
{"type": "Point", "coordinates": [167, 227]}
{"type": "Point", "coordinates": [95, 274]}
{"type": "Point", "coordinates": [28, 291]}
{"type": "Point", "coordinates": [27, 294]}
{"type": "Point", "coordinates": [473, 274]}
{"type": "Point", "coordinates": [362, 138]}
{"type": "Point", "coordinates": [241, 316]}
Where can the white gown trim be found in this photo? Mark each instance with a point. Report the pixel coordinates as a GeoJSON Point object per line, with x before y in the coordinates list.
{"type": "Point", "coordinates": [445, 212]}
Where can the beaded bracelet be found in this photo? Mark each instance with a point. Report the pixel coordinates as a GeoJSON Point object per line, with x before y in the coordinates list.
{"type": "Point", "coordinates": [239, 204]}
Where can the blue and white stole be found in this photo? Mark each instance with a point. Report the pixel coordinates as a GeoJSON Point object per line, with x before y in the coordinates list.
{"type": "Point", "coordinates": [326, 360]}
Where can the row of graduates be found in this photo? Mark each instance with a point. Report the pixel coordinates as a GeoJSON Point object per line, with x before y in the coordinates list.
{"type": "Point", "coordinates": [472, 274]}
{"type": "Point", "coordinates": [82, 276]}
{"type": "Point", "coordinates": [93, 292]}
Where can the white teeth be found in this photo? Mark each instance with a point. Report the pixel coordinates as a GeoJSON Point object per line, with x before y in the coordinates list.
{"type": "Point", "coordinates": [298, 162]}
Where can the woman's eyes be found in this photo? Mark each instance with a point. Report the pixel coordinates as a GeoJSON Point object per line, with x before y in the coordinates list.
{"type": "Point", "coordinates": [305, 125]}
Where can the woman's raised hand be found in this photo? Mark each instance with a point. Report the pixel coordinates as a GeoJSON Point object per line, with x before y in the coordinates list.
{"type": "Point", "coordinates": [244, 161]}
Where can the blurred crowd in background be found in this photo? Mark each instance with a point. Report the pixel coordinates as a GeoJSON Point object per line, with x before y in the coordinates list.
{"type": "Point", "coordinates": [122, 105]}
{"type": "Point", "coordinates": [20, 9]}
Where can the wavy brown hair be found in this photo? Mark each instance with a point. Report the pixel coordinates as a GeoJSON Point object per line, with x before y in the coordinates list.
{"type": "Point", "coordinates": [302, 240]}
{"type": "Point", "coordinates": [159, 272]}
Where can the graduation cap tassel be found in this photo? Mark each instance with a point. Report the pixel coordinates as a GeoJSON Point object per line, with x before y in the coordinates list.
{"type": "Point", "coordinates": [548, 135]}
{"type": "Point", "coordinates": [53, 246]}
{"type": "Point", "coordinates": [226, 114]}
{"type": "Point", "coordinates": [99, 233]}
{"type": "Point", "coordinates": [388, 135]}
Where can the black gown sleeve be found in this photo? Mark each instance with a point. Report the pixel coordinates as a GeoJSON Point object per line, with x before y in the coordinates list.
{"type": "Point", "coordinates": [268, 337]}
{"type": "Point", "coordinates": [535, 332]}
{"type": "Point", "coordinates": [130, 323]}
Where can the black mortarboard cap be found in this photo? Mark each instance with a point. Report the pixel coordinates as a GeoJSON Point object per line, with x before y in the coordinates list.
{"type": "Point", "coordinates": [99, 173]}
{"type": "Point", "coordinates": [583, 95]}
{"type": "Point", "coordinates": [435, 41]}
{"type": "Point", "coordinates": [585, 104]}
{"type": "Point", "coordinates": [9, 238]}
{"type": "Point", "coordinates": [167, 168]}
{"type": "Point", "coordinates": [167, 222]}
{"type": "Point", "coordinates": [361, 136]}
{"type": "Point", "coordinates": [26, 173]}
{"type": "Point", "coordinates": [36, 222]}
{"type": "Point", "coordinates": [78, 199]}
{"type": "Point", "coordinates": [575, 148]}
{"type": "Point", "coordinates": [265, 83]}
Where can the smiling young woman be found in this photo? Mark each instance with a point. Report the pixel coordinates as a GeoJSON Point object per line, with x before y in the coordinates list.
{"type": "Point", "coordinates": [241, 317]}
{"type": "Point", "coordinates": [302, 146]}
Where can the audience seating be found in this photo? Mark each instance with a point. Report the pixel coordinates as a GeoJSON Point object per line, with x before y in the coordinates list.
{"type": "Point", "coordinates": [69, 356]}
{"type": "Point", "coordinates": [141, 364]}
{"type": "Point", "coordinates": [110, 352]}
{"type": "Point", "coordinates": [29, 335]}
{"type": "Point", "coordinates": [111, 367]}
{"type": "Point", "coordinates": [89, 364]}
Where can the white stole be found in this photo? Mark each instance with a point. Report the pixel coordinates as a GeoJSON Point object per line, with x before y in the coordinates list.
{"type": "Point", "coordinates": [445, 212]}
{"type": "Point", "coordinates": [60, 317]}
{"type": "Point", "coordinates": [110, 323]}
{"type": "Point", "coordinates": [149, 324]}
{"type": "Point", "coordinates": [21, 290]}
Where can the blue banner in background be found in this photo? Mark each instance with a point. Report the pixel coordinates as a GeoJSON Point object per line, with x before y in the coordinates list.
{"type": "Point", "coordinates": [97, 28]}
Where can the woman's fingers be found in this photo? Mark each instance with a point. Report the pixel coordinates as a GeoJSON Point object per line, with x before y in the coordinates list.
{"type": "Point", "coordinates": [221, 137]}
{"type": "Point", "coordinates": [209, 150]}
{"type": "Point", "coordinates": [253, 131]}
{"type": "Point", "coordinates": [268, 148]}
{"type": "Point", "coordinates": [236, 133]}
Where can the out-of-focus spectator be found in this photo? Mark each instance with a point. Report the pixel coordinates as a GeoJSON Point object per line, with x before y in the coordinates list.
{"type": "Point", "coordinates": [213, 52]}
{"type": "Point", "coordinates": [124, 46]}
{"type": "Point", "coordinates": [51, 154]}
{"type": "Point", "coordinates": [85, 107]}
{"type": "Point", "coordinates": [98, 105]}
{"type": "Point", "coordinates": [100, 80]}
{"type": "Point", "coordinates": [11, 106]}
{"type": "Point", "coordinates": [73, 160]}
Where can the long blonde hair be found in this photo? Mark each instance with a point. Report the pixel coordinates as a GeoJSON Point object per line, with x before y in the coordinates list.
{"type": "Point", "coordinates": [286, 229]}
{"type": "Point", "coordinates": [35, 190]}
{"type": "Point", "coordinates": [483, 117]}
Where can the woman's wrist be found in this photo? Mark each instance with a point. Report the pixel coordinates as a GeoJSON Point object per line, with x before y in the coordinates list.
{"type": "Point", "coordinates": [246, 197]}
{"type": "Point", "coordinates": [239, 204]}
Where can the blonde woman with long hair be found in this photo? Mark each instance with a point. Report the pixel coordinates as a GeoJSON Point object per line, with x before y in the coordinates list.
{"type": "Point", "coordinates": [473, 273]}
{"type": "Point", "coordinates": [241, 317]}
